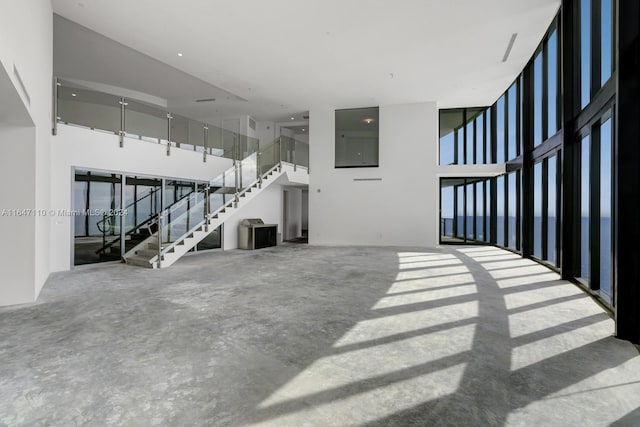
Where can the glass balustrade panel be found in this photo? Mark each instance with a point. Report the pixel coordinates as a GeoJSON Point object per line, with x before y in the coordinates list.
{"type": "Point", "coordinates": [249, 163]}
{"type": "Point", "coordinates": [94, 110]}
{"type": "Point", "coordinates": [268, 158]}
{"type": "Point", "coordinates": [145, 122]}
{"type": "Point", "coordinates": [196, 136]}
{"type": "Point", "coordinates": [180, 132]}
{"type": "Point", "coordinates": [302, 153]}
{"type": "Point", "coordinates": [215, 145]}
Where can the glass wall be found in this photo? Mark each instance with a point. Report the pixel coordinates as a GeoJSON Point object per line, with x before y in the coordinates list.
{"type": "Point", "coordinates": [464, 205]}
{"type": "Point", "coordinates": [606, 136]}
{"type": "Point", "coordinates": [500, 211]}
{"type": "Point", "coordinates": [537, 210]}
{"type": "Point", "coordinates": [488, 140]}
{"type": "Point", "coordinates": [470, 222]}
{"type": "Point", "coordinates": [97, 215]}
{"type": "Point", "coordinates": [470, 146]}
{"type": "Point", "coordinates": [597, 46]}
{"type": "Point", "coordinates": [524, 129]}
{"type": "Point", "coordinates": [500, 126]}
{"type": "Point", "coordinates": [105, 215]}
{"type": "Point", "coordinates": [552, 173]}
{"type": "Point", "coordinates": [585, 52]}
{"type": "Point", "coordinates": [553, 93]}
{"type": "Point", "coordinates": [480, 211]}
{"type": "Point", "coordinates": [450, 121]}
{"type": "Point", "coordinates": [465, 136]}
{"type": "Point", "coordinates": [537, 100]}
{"type": "Point", "coordinates": [585, 207]}
{"type": "Point", "coordinates": [480, 138]}
{"type": "Point", "coordinates": [606, 40]}
{"type": "Point", "coordinates": [512, 104]}
{"type": "Point", "coordinates": [447, 210]}
{"type": "Point", "coordinates": [512, 216]}
{"type": "Point", "coordinates": [460, 211]}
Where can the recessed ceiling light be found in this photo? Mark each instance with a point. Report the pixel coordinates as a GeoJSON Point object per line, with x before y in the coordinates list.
{"type": "Point", "coordinates": [179, 53]}
{"type": "Point", "coordinates": [73, 94]}
{"type": "Point", "coordinates": [369, 120]}
{"type": "Point", "coordinates": [293, 118]}
{"type": "Point", "coordinates": [303, 129]}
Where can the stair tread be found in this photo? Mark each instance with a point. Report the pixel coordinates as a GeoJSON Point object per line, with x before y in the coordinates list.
{"type": "Point", "coordinates": [143, 257]}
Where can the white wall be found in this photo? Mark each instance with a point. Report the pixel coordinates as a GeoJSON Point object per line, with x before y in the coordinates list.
{"type": "Point", "coordinates": [26, 29]}
{"type": "Point", "coordinates": [302, 137]}
{"type": "Point", "coordinates": [266, 133]}
{"type": "Point", "coordinates": [84, 148]}
{"type": "Point", "coordinates": [400, 209]}
{"type": "Point", "coordinates": [286, 132]}
{"type": "Point", "coordinates": [17, 253]}
{"type": "Point", "coordinates": [267, 205]}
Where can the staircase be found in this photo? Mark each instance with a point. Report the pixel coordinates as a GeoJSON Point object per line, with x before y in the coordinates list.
{"type": "Point", "coordinates": [183, 225]}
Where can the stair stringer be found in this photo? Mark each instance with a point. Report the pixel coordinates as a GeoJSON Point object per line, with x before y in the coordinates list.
{"type": "Point", "coordinates": [145, 254]}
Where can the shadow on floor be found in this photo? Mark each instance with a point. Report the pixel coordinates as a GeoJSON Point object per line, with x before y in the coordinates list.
{"type": "Point", "coordinates": [298, 335]}
{"type": "Point", "coordinates": [506, 370]}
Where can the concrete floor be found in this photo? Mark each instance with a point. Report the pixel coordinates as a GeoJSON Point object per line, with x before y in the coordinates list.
{"type": "Point", "coordinates": [314, 336]}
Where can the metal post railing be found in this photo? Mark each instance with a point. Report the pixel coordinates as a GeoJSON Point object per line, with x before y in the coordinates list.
{"type": "Point", "coordinates": [240, 158]}
{"type": "Point", "coordinates": [204, 143]}
{"type": "Point", "coordinates": [236, 199]}
{"type": "Point", "coordinates": [56, 85]}
{"type": "Point", "coordinates": [279, 149]}
{"type": "Point", "coordinates": [169, 117]}
{"type": "Point", "coordinates": [159, 239]}
{"type": "Point", "coordinates": [293, 155]}
{"type": "Point", "coordinates": [258, 168]}
{"type": "Point", "coordinates": [123, 104]}
{"type": "Point", "coordinates": [207, 208]}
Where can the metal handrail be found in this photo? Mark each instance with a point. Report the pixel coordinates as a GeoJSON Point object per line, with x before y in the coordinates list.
{"type": "Point", "coordinates": [148, 222]}
{"type": "Point", "coordinates": [122, 104]}
{"type": "Point", "coordinates": [105, 218]}
{"type": "Point", "coordinates": [210, 215]}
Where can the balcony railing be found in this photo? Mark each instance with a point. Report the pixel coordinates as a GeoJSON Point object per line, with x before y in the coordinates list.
{"type": "Point", "coordinates": [134, 119]}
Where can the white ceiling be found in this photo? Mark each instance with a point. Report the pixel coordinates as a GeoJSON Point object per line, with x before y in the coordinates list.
{"type": "Point", "coordinates": [288, 56]}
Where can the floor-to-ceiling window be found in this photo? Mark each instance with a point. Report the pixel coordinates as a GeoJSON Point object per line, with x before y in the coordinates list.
{"type": "Point", "coordinates": [560, 110]}
{"type": "Point", "coordinates": [464, 210]}
{"type": "Point", "coordinates": [585, 206]}
{"type": "Point", "coordinates": [595, 145]}
{"type": "Point", "coordinates": [585, 52]}
{"type": "Point", "coordinates": [501, 146]}
{"type": "Point", "coordinates": [538, 195]}
{"type": "Point", "coordinates": [606, 138]}
{"type": "Point", "coordinates": [552, 202]}
{"type": "Point", "coordinates": [460, 211]}
{"type": "Point", "coordinates": [501, 215]}
{"type": "Point", "coordinates": [512, 214]}
{"type": "Point", "coordinates": [537, 99]}
{"type": "Point", "coordinates": [96, 215]}
{"type": "Point", "coordinates": [480, 210]}
{"type": "Point", "coordinates": [110, 219]}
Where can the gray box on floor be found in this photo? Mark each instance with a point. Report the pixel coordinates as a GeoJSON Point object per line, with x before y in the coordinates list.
{"type": "Point", "coordinates": [253, 233]}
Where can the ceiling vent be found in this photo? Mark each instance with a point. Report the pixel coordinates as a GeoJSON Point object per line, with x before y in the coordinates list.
{"type": "Point", "coordinates": [509, 47]}
{"type": "Point", "coordinates": [206, 100]}
{"type": "Point", "coordinates": [252, 123]}
{"type": "Point", "coordinates": [305, 117]}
